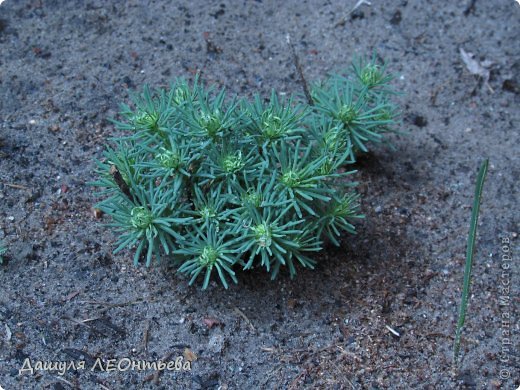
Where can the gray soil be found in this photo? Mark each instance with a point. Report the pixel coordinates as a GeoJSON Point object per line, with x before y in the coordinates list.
{"type": "Point", "coordinates": [64, 68]}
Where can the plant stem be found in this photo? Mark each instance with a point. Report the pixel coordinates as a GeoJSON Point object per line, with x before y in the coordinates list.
{"type": "Point", "coordinates": [299, 69]}
{"type": "Point", "coordinates": [118, 178]}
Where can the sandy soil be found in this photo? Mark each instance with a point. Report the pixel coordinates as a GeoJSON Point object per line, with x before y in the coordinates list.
{"type": "Point", "coordinates": [64, 68]}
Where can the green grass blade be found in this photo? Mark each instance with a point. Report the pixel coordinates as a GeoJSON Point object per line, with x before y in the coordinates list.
{"type": "Point", "coordinates": [469, 257]}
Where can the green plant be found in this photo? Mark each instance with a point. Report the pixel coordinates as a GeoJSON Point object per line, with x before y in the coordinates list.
{"type": "Point", "coordinates": [358, 106]}
{"type": "Point", "coordinates": [469, 257]}
{"type": "Point", "coordinates": [219, 184]}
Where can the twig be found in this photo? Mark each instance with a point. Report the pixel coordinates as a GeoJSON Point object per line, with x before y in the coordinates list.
{"type": "Point", "coordinates": [241, 314]}
{"type": "Point", "coordinates": [17, 186]}
{"type": "Point", "coordinates": [309, 352]}
{"type": "Point", "coordinates": [435, 334]}
{"type": "Point", "coordinates": [92, 319]}
{"type": "Point", "coordinates": [155, 376]}
{"type": "Point", "coordinates": [82, 323]}
{"type": "Point", "coordinates": [299, 69]}
{"type": "Point", "coordinates": [344, 18]}
{"type": "Point", "coordinates": [71, 295]}
{"type": "Point", "coordinates": [65, 381]}
{"type": "Point", "coordinates": [294, 383]}
{"type": "Point", "coordinates": [108, 304]}
{"type": "Point", "coordinates": [146, 335]}
{"type": "Point", "coordinates": [470, 8]}
{"type": "Point", "coordinates": [433, 96]}
{"type": "Point", "coordinates": [393, 331]}
{"type": "Point", "coordinates": [120, 181]}
{"type": "Point", "coordinates": [77, 322]}
{"type": "Point", "coordinates": [348, 353]}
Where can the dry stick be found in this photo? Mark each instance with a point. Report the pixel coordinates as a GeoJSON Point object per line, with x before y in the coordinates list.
{"type": "Point", "coordinates": [65, 381]}
{"type": "Point", "coordinates": [120, 181]}
{"type": "Point", "coordinates": [299, 69]}
{"type": "Point", "coordinates": [111, 305]}
{"type": "Point", "coordinates": [241, 314]}
{"type": "Point", "coordinates": [77, 322]}
{"type": "Point", "coordinates": [294, 383]}
{"type": "Point", "coordinates": [108, 306]}
{"type": "Point", "coordinates": [81, 323]}
{"type": "Point", "coordinates": [470, 8]}
{"type": "Point", "coordinates": [344, 18]}
{"type": "Point", "coordinates": [154, 377]}
{"type": "Point", "coordinates": [146, 335]}
{"type": "Point", "coordinates": [17, 186]}
{"type": "Point", "coordinates": [91, 319]}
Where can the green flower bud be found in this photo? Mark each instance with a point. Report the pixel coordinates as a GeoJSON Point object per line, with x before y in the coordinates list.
{"type": "Point", "coordinates": [233, 162]}
{"type": "Point", "coordinates": [347, 114]}
{"type": "Point", "coordinates": [371, 75]}
{"type": "Point", "coordinates": [263, 234]}
{"type": "Point", "coordinates": [141, 218]}
{"type": "Point", "coordinates": [169, 159]}
{"type": "Point", "coordinates": [208, 256]}
{"type": "Point", "coordinates": [291, 179]}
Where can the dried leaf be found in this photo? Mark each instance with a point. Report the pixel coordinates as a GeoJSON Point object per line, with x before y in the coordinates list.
{"type": "Point", "coordinates": [189, 355]}
{"type": "Point", "coordinates": [291, 303]}
{"type": "Point", "coordinates": [71, 295]}
{"type": "Point", "coordinates": [210, 322]}
{"type": "Point", "coordinates": [474, 66]}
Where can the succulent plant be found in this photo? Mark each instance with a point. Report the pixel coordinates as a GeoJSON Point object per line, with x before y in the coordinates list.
{"type": "Point", "coordinates": [219, 184]}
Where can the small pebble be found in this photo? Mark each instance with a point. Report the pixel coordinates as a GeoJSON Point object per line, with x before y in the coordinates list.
{"type": "Point", "coordinates": [216, 342]}
{"type": "Point", "coordinates": [97, 213]}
